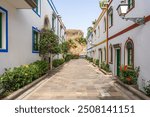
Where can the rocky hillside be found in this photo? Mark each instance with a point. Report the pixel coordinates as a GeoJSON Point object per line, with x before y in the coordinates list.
{"type": "Point", "coordinates": [76, 37]}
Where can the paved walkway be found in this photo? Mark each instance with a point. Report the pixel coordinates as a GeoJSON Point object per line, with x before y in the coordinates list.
{"type": "Point", "coordinates": [76, 80]}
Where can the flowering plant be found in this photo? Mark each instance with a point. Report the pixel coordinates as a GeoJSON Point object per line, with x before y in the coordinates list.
{"type": "Point", "coordinates": [129, 76]}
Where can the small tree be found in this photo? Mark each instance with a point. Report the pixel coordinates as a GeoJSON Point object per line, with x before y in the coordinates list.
{"type": "Point", "coordinates": [49, 43]}
{"type": "Point", "coordinates": [65, 48]}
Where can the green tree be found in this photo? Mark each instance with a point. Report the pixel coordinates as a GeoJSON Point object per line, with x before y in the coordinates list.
{"type": "Point", "coordinates": [82, 41]}
{"type": "Point", "coordinates": [65, 48]}
{"type": "Point", "coordinates": [49, 43]}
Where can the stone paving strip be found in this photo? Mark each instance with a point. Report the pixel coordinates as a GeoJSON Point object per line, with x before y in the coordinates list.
{"type": "Point", "coordinates": [76, 80]}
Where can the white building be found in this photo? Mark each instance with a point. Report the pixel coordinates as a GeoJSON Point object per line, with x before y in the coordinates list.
{"type": "Point", "coordinates": [20, 22]}
{"type": "Point", "coordinates": [120, 42]}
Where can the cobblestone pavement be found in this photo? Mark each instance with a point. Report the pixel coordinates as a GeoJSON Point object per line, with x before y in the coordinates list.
{"type": "Point", "coordinates": [77, 80]}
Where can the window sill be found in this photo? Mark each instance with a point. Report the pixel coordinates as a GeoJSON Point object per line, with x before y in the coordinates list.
{"type": "Point", "coordinates": [3, 50]}
{"type": "Point", "coordinates": [35, 52]}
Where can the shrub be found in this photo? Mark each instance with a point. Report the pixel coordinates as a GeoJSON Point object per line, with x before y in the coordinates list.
{"type": "Point", "coordinates": [97, 62]}
{"type": "Point", "coordinates": [147, 88]}
{"type": "Point", "coordinates": [75, 57]}
{"type": "Point", "coordinates": [58, 62]}
{"type": "Point", "coordinates": [71, 56]}
{"type": "Point", "coordinates": [89, 59]}
{"type": "Point", "coordinates": [68, 57]}
{"type": "Point", "coordinates": [15, 78]}
{"type": "Point", "coordinates": [129, 76]}
{"type": "Point", "coordinates": [105, 67]}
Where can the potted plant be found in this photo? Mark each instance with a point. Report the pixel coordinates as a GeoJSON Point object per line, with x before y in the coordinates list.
{"type": "Point", "coordinates": [129, 76]}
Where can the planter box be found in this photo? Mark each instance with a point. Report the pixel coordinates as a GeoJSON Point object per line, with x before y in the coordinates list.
{"type": "Point", "coordinates": [94, 65]}
{"type": "Point", "coordinates": [19, 92]}
{"type": "Point", "coordinates": [106, 73]}
{"type": "Point", "coordinates": [133, 90]}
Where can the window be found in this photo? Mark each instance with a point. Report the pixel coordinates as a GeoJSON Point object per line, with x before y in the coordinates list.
{"type": "Point", "coordinates": [98, 31]}
{"type": "Point", "coordinates": [129, 53]}
{"type": "Point", "coordinates": [58, 28]}
{"type": "Point", "coordinates": [3, 30]}
{"type": "Point", "coordinates": [53, 23]}
{"type": "Point", "coordinates": [105, 25]}
{"type": "Point", "coordinates": [0, 30]}
{"type": "Point", "coordinates": [61, 30]}
{"type": "Point", "coordinates": [130, 4]}
{"type": "Point", "coordinates": [37, 10]}
{"type": "Point", "coordinates": [92, 36]}
{"type": "Point", "coordinates": [105, 53]}
{"type": "Point", "coordinates": [111, 54]}
{"type": "Point", "coordinates": [35, 34]}
{"type": "Point", "coordinates": [95, 33]}
{"type": "Point", "coordinates": [101, 56]}
{"type": "Point", "coordinates": [110, 17]}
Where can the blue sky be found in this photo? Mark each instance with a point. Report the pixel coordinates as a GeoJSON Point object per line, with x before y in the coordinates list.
{"type": "Point", "coordinates": [78, 14]}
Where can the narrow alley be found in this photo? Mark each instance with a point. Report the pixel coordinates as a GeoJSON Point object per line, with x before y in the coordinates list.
{"type": "Point", "coordinates": [76, 80]}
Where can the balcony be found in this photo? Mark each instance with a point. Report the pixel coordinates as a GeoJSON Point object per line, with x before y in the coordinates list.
{"type": "Point", "coordinates": [23, 4]}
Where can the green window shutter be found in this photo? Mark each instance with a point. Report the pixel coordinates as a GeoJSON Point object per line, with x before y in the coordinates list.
{"type": "Point", "coordinates": [129, 57]}
{"type": "Point", "coordinates": [111, 19]}
{"type": "Point", "coordinates": [101, 56]}
{"type": "Point", "coordinates": [0, 30]}
{"type": "Point", "coordinates": [130, 4]}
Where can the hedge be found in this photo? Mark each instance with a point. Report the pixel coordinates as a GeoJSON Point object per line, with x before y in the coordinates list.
{"type": "Point", "coordinates": [15, 78]}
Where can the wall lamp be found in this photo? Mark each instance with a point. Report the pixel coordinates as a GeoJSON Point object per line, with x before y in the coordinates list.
{"type": "Point", "coordinates": [123, 9]}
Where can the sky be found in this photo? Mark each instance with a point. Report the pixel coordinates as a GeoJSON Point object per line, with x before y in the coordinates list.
{"type": "Point", "coordinates": [78, 14]}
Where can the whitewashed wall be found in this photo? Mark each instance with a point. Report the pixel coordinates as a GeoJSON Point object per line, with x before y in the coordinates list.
{"type": "Point", "coordinates": [140, 36]}
{"type": "Point", "coordinates": [20, 24]}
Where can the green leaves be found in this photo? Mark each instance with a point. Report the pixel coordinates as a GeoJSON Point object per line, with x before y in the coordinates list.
{"type": "Point", "coordinates": [129, 76]}
{"type": "Point", "coordinates": [82, 41]}
{"type": "Point", "coordinates": [15, 78]}
{"type": "Point", "coordinates": [58, 62]}
{"type": "Point", "coordinates": [49, 43]}
{"type": "Point", "coordinates": [105, 67]}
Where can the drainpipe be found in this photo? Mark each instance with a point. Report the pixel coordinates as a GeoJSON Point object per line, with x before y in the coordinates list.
{"type": "Point", "coordinates": [107, 29]}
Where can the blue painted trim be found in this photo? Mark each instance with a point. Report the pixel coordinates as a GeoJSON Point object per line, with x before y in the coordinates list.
{"type": "Point", "coordinates": [37, 30]}
{"type": "Point", "coordinates": [52, 6]}
{"type": "Point", "coordinates": [6, 13]}
{"type": "Point", "coordinates": [38, 14]}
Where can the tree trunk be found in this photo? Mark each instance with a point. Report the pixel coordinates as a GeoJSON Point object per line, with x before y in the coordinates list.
{"type": "Point", "coordinates": [51, 61]}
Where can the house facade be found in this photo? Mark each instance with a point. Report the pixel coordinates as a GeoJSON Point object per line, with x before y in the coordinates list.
{"type": "Point", "coordinates": [20, 24]}
{"type": "Point", "coordinates": [119, 42]}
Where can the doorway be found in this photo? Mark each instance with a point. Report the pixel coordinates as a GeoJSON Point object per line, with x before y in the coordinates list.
{"type": "Point", "coordinates": [118, 61]}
